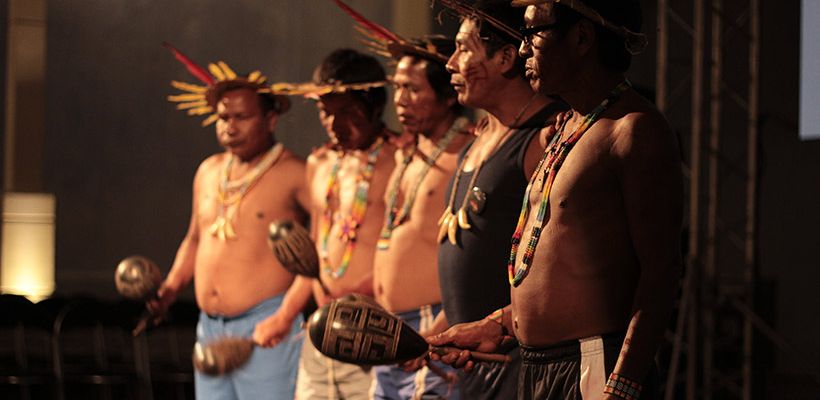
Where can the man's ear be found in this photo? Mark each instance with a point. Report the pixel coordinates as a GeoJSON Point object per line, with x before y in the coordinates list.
{"type": "Point", "coordinates": [585, 36]}
{"type": "Point", "coordinates": [272, 118]}
{"type": "Point", "coordinates": [506, 56]}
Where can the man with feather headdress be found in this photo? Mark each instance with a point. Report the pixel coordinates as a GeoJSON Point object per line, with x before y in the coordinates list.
{"type": "Point", "coordinates": [236, 194]}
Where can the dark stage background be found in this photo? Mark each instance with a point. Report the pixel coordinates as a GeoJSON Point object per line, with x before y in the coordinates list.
{"type": "Point", "coordinates": [120, 159]}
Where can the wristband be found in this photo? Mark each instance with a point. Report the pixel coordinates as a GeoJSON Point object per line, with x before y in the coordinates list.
{"type": "Point", "coordinates": [498, 317]}
{"type": "Point", "coordinates": [622, 387]}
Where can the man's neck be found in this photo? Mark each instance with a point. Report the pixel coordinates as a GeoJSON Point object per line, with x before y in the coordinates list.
{"type": "Point", "coordinates": [373, 135]}
{"type": "Point", "coordinates": [591, 88]}
{"type": "Point", "coordinates": [254, 159]}
{"type": "Point", "coordinates": [516, 103]}
{"type": "Point", "coordinates": [439, 129]}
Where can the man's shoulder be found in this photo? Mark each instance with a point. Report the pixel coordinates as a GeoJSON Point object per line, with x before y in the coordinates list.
{"type": "Point", "coordinates": [319, 154]}
{"type": "Point", "coordinates": [290, 163]}
{"type": "Point", "coordinates": [211, 163]}
{"type": "Point", "coordinates": [637, 117]}
{"type": "Point", "coordinates": [642, 128]}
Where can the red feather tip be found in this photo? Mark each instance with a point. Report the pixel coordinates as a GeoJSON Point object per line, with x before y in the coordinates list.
{"type": "Point", "coordinates": [368, 24]}
{"type": "Point", "coordinates": [195, 70]}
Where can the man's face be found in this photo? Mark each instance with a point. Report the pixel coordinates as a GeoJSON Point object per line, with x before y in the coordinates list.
{"type": "Point", "coordinates": [241, 128]}
{"type": "Point", "coordinates": [417, 105]}
{"type": "Point", "coordinates": [470, 68]}
{"type": "Point", "coordinates": [541, 50]}
{"type": "Point", "coordinates": [347, 122]}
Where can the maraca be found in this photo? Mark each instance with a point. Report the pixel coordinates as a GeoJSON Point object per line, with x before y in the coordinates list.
{"type": "Point", "coordinates": [222, 356]}
{"type": "Point", "coordinates": [295, 250]}
{"type": "Point", "coordinates": [356, 330]}
{"type": "Point", "coordinates": [138, 278]}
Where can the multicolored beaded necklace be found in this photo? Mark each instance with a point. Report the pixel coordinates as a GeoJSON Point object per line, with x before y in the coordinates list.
{"type": "Point", "coordinates": [552, 160]}
{"type": "Point", "coordinates": [394, 217]}
{"type": "Point", "coordinates": [354, 218]}
{"type": "Point", "coordinates": [230, 193]}
{"type": "Point", "coordinates": [451, 221]}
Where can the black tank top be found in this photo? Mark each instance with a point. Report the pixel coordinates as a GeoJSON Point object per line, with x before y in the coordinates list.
{"type": "Point", "coordinates": [473, 275]}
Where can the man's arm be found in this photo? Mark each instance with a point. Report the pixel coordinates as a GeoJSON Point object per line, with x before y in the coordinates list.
{"type": "Point", "coordinates": [649, 170]}
{"type": "Point", "coordinates": [182, 271]}
{"type": "Point", "coordinates": [485, 335]}
{"type": "Point", "coordinates": [272, 330]}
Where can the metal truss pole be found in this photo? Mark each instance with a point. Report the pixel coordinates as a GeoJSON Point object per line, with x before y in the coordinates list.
{"type": "Point", "coordinates": [750, 254]}
{"type": "Point", "coordinates": [687, 322]}
{"type": "Point", "coordinates": [709, 289]}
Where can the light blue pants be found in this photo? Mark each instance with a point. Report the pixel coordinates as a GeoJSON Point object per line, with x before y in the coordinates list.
{"type": "Point", "coordinates": [391, 382]}
{"type": "Point", "coordinates": [268, 374]}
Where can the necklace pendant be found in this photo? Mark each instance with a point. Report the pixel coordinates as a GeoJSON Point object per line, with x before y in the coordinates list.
{"type": "Point", "coordinates": [444, 215]}
{"type": "Point", "coordinates": [444, 223]}
{"type": "Point", "coordinates": [217, 228]}
{"type": "Point", "coordinates": [222, 229]}
{"type": "Point", "coordinates": [463, 220]}
{"type": "Point", "coordinates": [476, 200]}
{"type": "Point", "coordinates": [452, 230]}
{"type": "Point", "coordinates": [347, 232]}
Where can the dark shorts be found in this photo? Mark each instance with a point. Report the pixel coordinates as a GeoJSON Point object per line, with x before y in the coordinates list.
{"type": "Point", "coordinates": [574, 370]}
{"type": "Point", "coordinates": [492, 380]}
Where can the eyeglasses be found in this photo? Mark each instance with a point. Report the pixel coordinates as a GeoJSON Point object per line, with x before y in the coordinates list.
{"type": "Point", "coordinates": [528, 33]}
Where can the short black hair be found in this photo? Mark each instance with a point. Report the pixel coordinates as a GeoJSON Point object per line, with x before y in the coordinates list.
{"type": "Point", "coordinates": [351, 66]}
{"type": "Point", "coordinates": [494, 38]}
{"type": "Point", "coordinates": [612, 50]}
{"type": "Point", "coordinates": [435, 71]}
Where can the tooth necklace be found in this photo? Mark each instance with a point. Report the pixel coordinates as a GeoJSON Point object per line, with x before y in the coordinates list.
{"type": "Point", "coordinates": [394, 217]}
{"type": "Point", "coordinates": [231, 192]}
{"type": "Point", "coordinates": [451, 221]}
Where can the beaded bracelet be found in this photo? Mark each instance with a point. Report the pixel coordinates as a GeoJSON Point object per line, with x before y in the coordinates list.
{"type": "Point", "coordinates": [498, 317]}
{"type": "Point", "coordinates": [622, 387]}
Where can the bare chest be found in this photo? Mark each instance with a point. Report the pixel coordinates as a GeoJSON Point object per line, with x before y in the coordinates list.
{"type": "Point", "coordinates": [267, 199]}
{"type": "Point", "coordinates": [339, 183]}
{"type": "Point", "coordinates": [578, 186]}
{"type": "Point", "coordinates": [423, 184]}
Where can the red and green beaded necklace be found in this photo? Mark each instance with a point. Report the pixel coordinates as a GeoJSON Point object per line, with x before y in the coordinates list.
{"type": "Point", "coordinates": [354, 218]}
{"type": "Point", "coordinates": [394, 217]}
{"type": "Point", "coordinates": [552, 160]}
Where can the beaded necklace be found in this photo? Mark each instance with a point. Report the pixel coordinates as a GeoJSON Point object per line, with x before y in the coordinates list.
{"type": "Point", "coordinates": [230, 193]}
{"type": "Point", "coordinates": [552, 160]}
{"type": "Point", "coordinates": [394, 217]}
{"type": "Point", "coordinates": [353, 220]}
{"type": "Point", "coordinates": [451, 221]}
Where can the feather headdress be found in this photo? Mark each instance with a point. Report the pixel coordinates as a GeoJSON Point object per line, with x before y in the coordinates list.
{"type": "Point", "coordinates": [385, 43]}
{"type": "Point", "coordinates": [313, 90]}
{"type": "Point", "coordinates": [465, 9]}
{"type": "Point", "coordinates": [635, 42]}
{"type": "Point", "coordinates": [201, 99]}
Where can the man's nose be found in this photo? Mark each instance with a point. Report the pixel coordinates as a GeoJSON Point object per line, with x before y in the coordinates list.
{"type": "Point", "coordinates": [401, 97]}
{"type": "Point", "coordinates": [230, 126]}
{"type": "Point", "coordinates": [451, 64]}
{"type": "Point", "coordinates": [524, 50]}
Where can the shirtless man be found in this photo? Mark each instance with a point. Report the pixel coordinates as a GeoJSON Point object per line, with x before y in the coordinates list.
{"type": "Point", "coordinates": [405, 273]}
{"type": "Point", "coordinates": [238, 281]}
{"type": "Point", "coordinates": [488, 74]}
{"type": "Point", "coordinates": [347, 180]}
{"type": "Point", "coordinates": [595, 291]}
